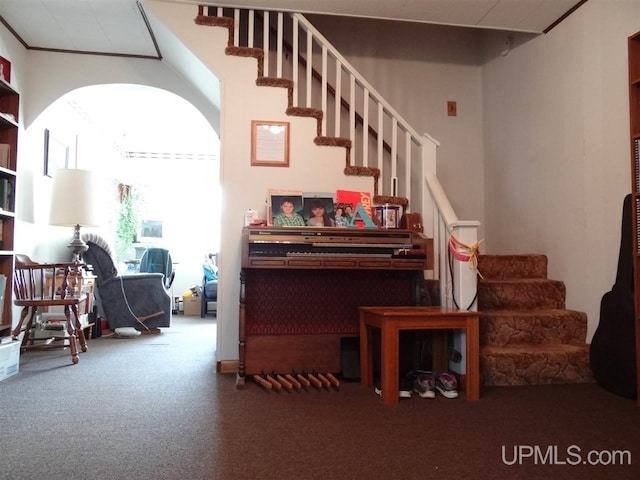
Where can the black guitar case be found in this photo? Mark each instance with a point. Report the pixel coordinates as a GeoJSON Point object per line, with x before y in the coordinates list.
{"type": "Point", "coordinates": [613, 348]}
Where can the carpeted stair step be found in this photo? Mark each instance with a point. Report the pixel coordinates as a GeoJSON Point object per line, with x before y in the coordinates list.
{"type": "Point", "coordinates": [526, 294]}
{"type": "Point", "coordinates": [506, 267]}
{"type": "Point", "coordinates": [535, 364]}
{"type": "Point", "coordinates": [520, 327]}
{"type": "Point", "coordinates": [527, 337]}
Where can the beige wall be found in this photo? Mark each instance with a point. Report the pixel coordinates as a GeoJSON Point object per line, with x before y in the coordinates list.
{"type": "Point", "coordinates": [538, 152]}
{"type": "Point", "coordinates": [418, 68]}
{"type": "Point", "coordinates": [556, 143]}
{"type": "Point", "coordinates": [312, 168]}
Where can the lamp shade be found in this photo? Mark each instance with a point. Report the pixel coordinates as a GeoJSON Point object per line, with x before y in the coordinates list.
{"type": "Point", "coordinates": [74, 198]}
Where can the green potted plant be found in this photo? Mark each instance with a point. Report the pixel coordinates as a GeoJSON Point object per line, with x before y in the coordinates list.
{"type": "Point", "coordinates": [128, 219]}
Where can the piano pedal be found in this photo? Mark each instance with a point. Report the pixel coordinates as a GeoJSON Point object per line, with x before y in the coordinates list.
{"type": "Point", "coordinates": [302, 379]}
{"type": "Point", "coordinates": [283, 381]}
{"type": "Point", "coordinates": [334, 381]}
{"type": "Point", "coordinates": [325, 381]}
{"type": "Point", "coordinates": [314, 381]}
{"type": "Point", "coordinates": [274, 383]}
{"type": "Point", "coordinates": [262, 382]}
{"type": "Point", "coordinates": [295, 383]}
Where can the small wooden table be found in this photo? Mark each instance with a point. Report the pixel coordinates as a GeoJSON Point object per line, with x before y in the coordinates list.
{"type": "Point", "coordinates": [390, 320]}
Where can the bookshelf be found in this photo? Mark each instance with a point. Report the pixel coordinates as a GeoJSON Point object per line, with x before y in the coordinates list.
{"type": "Point", "coordinates": [9, 106]}
{"type": "Point", "coordinates": [634, 124]}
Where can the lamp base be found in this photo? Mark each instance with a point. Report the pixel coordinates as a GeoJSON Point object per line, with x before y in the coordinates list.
{"type": "Point", "coordinates": [77, 245]}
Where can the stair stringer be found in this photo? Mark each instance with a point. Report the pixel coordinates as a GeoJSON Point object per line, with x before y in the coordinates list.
{"type": "Point", "coordinates": [349, 169]}
{"type": "Point", "coordinates": [240, 70]}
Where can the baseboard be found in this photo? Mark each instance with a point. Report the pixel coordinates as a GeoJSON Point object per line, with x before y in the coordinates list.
{"type": "Point", "coordinates": [227, 366]}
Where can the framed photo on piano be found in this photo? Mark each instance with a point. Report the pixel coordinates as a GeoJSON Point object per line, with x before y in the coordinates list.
{"type": "Point", "coordinates": [318, 209]}
{"type": "Point", "coordinates": [285, 208]}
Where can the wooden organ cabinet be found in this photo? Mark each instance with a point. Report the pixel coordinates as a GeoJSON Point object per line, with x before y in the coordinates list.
{"type": "Point", "coordinates": [300, 289]}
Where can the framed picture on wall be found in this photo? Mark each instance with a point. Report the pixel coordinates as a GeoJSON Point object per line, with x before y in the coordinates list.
{"type": "Point", "coordinates": [56, 154]}
{"type": "Point", "coordinates": [269, 143]}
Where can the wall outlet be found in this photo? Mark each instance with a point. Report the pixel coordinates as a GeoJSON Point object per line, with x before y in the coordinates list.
{"type": "Point", "coordinates": [452, 109]}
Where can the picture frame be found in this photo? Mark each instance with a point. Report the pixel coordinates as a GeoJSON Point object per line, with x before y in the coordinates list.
{"type": "Point", "coordinates": [269, 143]}
{"type": "Point", "coordinates": [311, 200]}
{"type": "Point", "coordinates": [56, 154]}
{"type": "Point", "coordinates": [388, 216]}
{"type": "Point", "coordinates": [275, 200]}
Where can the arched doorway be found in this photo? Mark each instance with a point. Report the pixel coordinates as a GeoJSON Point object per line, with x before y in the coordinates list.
{"type": "Point", "coordinates": [156, 142]}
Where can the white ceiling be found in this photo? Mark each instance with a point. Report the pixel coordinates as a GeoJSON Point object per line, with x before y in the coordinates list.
{"type": "Point", "coordinates": [119, 27]}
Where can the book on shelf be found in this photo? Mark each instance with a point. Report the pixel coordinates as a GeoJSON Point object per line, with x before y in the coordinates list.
{"type": "Point", "coordinates": [6, 194]}
{"type": "Point", "coordinates": [5, 152]}
{"type": "Point", "coordinates": [3, 287]}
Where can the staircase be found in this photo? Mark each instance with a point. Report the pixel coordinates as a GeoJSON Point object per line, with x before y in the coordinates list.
{"type": "Point", "coordinates": [371, 149]}
{"type": "Point", "coordinates": [379, 144]}
{"type": "Point", "coordinates": [527, 337]}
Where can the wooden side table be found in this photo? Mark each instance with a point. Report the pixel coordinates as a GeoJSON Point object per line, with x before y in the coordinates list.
{"type": "Point", "coordinates": [390, 320]}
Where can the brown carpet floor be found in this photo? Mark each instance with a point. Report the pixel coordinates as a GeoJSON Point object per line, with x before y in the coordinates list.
{"type": "Point", "coordinates": [154, 408]}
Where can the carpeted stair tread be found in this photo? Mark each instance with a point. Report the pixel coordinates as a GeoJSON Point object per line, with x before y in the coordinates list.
{"type": "Point", "coordinates": [525, 294]}
{"type": "Point", "coordinates": [362, 171]}
{"type": "Point", "coordinates": [504, 267]}
{"type": "Point", "coordinates": [535, 364]}
{"type": "Point", "coordinates": [274, 82]}
{"type": "Point", "coordinates": [333, 141]}
{"type": "Point", "coordinates": [527, 336]}
{"type": "Point", "coordinates": [305, 112]}
{"type": "Point", "coordinates": [518, 327]}
{"type": "Point", "coordinates": [532, 349]}
{"type": "Point", "coordinates": [391, 200]}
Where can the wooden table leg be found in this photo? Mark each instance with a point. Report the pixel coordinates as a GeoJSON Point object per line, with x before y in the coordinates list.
{"type": "Point", "coordinates": [366, 368]}
{"type": "Point", "coordinates": [389, 363]}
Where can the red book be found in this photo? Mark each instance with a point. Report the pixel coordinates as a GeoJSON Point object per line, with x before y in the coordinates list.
{"type": "Point", "coordinates": [350, 200]}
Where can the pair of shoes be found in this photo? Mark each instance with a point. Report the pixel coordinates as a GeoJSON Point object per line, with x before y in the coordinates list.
{"type": "Point", "coordinates": [424, 384]}
{"type": "Point", "coordinates": [447, 385]}
{"type": "Point", "coordinates": [404, 388]}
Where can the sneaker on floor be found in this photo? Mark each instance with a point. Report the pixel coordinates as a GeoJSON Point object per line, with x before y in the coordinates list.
{"type": "Point", "coordinates": [447, 385]}
{"type": "Point", "coordinates": [424, 385]}
{"type": "Point", "coordinates": [404, 389]}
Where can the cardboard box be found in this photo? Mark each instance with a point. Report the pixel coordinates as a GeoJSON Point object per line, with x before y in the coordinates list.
{"type": "Point", "coordinates": [9, 359]}
{"type": "Point", "coordinates": [191, 305]}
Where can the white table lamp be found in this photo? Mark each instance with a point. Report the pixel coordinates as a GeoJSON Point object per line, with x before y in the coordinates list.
{"type": "Point", "coordinates": [74, 203]}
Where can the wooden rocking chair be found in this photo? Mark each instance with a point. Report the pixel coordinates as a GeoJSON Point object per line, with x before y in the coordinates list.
{"type": "Point", "coordinates": [38, 286]}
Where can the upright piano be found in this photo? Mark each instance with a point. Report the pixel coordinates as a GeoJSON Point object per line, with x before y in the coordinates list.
{"type": "Point", "coordinates": [300, 289]}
